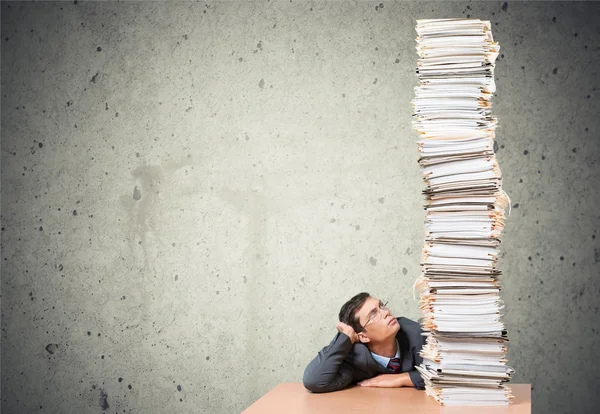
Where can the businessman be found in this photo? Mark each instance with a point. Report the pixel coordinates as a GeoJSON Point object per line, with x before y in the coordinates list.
{"type": "Point", "coordinates": [372, 349]}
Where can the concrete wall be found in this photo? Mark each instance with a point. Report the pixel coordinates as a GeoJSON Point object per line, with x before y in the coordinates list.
{"type": "Point", "coordinates": [190, 191]}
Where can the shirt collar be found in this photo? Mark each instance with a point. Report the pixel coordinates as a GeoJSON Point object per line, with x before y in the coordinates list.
{"type": "Point", "coordinates": [384, 361]}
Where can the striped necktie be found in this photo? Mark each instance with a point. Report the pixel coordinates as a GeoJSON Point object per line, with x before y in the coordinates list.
{"type": "Point", "coordinates": [394, 364]}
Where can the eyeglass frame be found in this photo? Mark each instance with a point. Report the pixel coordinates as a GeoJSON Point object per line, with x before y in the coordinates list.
{"type": "Point", "coordinates": [382, 306]}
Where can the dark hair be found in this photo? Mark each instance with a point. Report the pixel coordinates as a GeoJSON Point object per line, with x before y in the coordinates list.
{"type": "Point", "coordinates": [348, 311]}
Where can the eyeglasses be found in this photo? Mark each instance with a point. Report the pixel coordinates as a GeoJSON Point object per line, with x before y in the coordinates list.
{"type": "Point", "coordinates": [375, 315]}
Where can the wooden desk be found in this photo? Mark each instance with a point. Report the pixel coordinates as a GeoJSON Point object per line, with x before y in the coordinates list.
{"type": "Point", "coordinates": [293, 398]}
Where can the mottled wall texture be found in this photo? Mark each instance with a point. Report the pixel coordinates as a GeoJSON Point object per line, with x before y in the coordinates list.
{"type": "Point", "coordinates": [190, 191]}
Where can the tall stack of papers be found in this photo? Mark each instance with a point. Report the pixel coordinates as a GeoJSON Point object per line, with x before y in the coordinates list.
{"type": "Point", "coordinates": [464, 359]}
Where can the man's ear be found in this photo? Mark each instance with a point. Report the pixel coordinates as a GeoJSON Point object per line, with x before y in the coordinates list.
{"type": "Point", "coordinates": [363, 338]}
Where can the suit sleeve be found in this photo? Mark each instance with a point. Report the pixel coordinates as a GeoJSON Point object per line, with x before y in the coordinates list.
{"type": "Point", "coordinates": [418, 341]}
{"type": "Point", "coordinates": [417, 379]}
{"type": "Point", "coordinates": [327, 371]}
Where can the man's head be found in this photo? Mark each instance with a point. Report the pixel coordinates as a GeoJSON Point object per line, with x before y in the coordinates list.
{"type": "Point", "coordinates": [369, 319]}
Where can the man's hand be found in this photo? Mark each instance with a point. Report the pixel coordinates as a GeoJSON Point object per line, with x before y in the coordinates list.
{"type": "Point", "coordinates": [348, 330]}
{"type": "Point", "coordinates": [388, 381]}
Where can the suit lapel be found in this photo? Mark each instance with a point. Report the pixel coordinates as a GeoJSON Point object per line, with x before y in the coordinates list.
{"type": "Point", "coordinates": [372, 365]}
{"type": "Point", "coordinates": [406, 359]}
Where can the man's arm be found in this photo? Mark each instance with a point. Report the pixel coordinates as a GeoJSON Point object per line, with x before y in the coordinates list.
{"type": "Point", "coordinates": [327, 372]}
{"type": "Point", "coordinates": [389, 381]}
{"type": "Point", "coordinates": [418, 342]}
{"type": "Point", "coordinates": [416, 380]}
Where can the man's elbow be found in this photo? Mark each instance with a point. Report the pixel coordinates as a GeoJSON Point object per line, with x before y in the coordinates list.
{"type": "Point", "coordinates": [314, 386]}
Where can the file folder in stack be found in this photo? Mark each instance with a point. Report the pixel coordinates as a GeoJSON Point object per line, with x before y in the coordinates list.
{"type": "Point", "coordinates": [465, 356]}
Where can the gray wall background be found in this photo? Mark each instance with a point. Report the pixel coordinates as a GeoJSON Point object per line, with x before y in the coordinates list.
{"type": "Point", "coordinates": [190, 191]}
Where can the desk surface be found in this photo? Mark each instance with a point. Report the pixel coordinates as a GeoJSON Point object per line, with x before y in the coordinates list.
{"type": "Point", "coordinates": [293, 398]}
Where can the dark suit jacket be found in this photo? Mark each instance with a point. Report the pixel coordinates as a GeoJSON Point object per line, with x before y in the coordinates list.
{"type": "Point", "coordinates": [342, 363]}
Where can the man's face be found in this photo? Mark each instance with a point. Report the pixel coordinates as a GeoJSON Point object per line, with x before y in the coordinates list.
{"type": "Point", "coordinates": [380, 323]}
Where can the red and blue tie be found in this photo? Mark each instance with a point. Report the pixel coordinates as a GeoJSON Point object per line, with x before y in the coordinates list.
{"type": "Point", "coordinates": [394, 364]}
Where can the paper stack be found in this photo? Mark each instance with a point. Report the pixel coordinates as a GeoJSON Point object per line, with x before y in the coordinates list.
{"type": "Point", "coordinates": [464, 359]}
